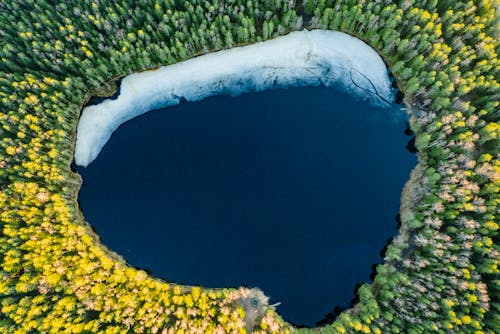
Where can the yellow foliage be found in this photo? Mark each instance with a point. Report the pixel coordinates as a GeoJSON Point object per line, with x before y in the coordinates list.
{"type": "Point", "coordinates": [53, 279]}
{"type": "Point", "coordinates": [11, 150]}
{"type": "Point", "coordinates": [31, 100]}
{"type": "Point", "coordinates": [52, 153]}
{"type": "Point", "coordinates": [195, 292]}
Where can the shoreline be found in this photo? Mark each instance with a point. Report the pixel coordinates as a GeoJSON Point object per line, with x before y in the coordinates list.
{"type": "Point", "coordinates": [402, 237]}
{"type": "Point", "coordinates": [403, 231]}
{"type": "Point", "coordinates": [304, 58]}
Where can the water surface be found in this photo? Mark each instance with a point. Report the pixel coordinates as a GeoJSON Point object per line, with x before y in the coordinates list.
{"type": "Point", "coordinates": [292, 191]}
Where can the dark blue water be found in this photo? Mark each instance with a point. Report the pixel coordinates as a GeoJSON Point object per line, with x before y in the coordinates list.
{"type": "Point", "coordinates": [293, 191]}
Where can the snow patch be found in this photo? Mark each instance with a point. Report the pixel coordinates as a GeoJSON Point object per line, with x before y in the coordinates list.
{"type": "Point", "coordinates": [302, 58]}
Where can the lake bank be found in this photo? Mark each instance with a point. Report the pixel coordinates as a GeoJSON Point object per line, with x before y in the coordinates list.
{"type": "Point", "coordinates": [286, 156]}
{"type": "Point", "coordinates": [305, 58]}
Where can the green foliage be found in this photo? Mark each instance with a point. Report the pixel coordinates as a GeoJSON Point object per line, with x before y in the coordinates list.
{"type": "Point", "coordinates": [440, 275]}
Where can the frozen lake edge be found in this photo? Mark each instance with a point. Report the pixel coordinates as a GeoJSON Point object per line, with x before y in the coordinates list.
{"type": "Point", "coordinates": [302, 58]}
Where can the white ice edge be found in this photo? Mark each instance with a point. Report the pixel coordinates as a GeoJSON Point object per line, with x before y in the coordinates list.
{"type": "Point", "coordinates": [302, 58]}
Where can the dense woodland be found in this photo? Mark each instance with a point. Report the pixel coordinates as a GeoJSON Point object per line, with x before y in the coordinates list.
{"type": "Point", "coordinates": [440, 274]}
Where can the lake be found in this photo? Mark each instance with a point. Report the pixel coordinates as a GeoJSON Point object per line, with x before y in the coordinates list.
{"type": "Point", "coordinates": [292, 191]}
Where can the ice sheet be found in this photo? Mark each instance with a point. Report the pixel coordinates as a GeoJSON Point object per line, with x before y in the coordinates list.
{"type": "Point", "coordinates": [302, 58]}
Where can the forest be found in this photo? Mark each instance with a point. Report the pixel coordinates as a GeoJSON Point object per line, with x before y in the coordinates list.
{"type": "Point", "coordinates": [440, 274]}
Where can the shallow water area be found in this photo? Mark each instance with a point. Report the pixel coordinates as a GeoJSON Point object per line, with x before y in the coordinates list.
{"type": "Point", "coordinates": [293, 191]}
